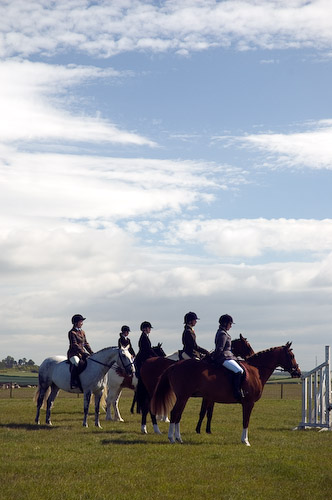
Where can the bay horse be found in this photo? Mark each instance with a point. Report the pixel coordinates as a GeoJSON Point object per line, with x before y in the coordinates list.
{"type": "Point", "coordinates": [197, 378]}
{"type": "Point", "coordinates": [54, 374]}
{"type": "Point", "coordinates": [240, 348]}
{"type": "Point", "coordinates": [154, 367]}
{"type": "Point", "coordinates": [118, 379]}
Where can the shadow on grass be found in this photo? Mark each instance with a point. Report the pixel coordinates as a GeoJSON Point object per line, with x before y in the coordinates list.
{"type": "Point", "coordinates": [149, 442]}
{"type": "Point", "coordinates": [28, 427]}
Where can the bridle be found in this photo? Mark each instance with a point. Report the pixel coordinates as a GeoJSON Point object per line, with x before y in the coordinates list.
{"type": "Point", "coordinates": [121, 356]}
{"type": "Point", "coordinates": [125, 365]}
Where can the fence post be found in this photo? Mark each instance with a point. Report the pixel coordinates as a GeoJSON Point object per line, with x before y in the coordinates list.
{"type": "Point", "coordinates": [316, 396]}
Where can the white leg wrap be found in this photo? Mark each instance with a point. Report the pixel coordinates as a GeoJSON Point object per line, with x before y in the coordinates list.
{"type": "Point", "coordinates": [178, 437]}
{"type": "Point", "coordinates": [156, 429]}
{"type": "Point", "coordinates": [171, 431]}
{"type": "Point", "coordinates": [244, 437]}
{"type": "Point", "coordinates": [143, 429]}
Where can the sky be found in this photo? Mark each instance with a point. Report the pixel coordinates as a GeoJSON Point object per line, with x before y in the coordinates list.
{"type": "Point", "coordinates": [160, 157]}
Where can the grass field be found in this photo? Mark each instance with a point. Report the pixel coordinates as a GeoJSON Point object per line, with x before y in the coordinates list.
{"type": "Point", "coordinates": [69, 462]}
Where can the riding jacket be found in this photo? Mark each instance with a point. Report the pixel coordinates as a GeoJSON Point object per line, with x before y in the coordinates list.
{"type": "Point", "coordinates": [190, 346]}
{"type": "Point", "coordinates": [145, 348]}
{"type": "Point", "coordinates": [125, 342]}
{"type": "Point", "coordinates": [78, 345]}
{"type": "Point", "coordinates": [223, 350]}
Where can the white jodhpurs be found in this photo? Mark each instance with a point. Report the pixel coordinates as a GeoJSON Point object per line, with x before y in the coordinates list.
{"type": "Point", "coordinates": [74, 360]}
{"type": "Point", "coordinates": [232, 365]}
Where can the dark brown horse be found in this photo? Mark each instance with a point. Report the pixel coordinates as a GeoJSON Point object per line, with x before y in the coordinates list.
{"type": "Point", "coordinates": [198, 378]}
{"type": "Point", "coordinates": [152, 369]}
{"type": "Point", "coordinates": [240, 348]}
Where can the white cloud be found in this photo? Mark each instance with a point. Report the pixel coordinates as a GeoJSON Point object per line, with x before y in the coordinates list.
{"type": "Point", "coordinates": [33, 106]}
{"type": "Point", "coordinates": [104, 29]}
{"type": "Point", "coordinates": [249, 238]}
{"type": "Point", "coordinates": [55, 186]}
{"type": "Point", "coordinates": [311, 148]}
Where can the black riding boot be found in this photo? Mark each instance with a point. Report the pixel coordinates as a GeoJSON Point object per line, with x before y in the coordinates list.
{"type": "Point", "coordinates": [237, 380]}
{"type": "Point", "coordinates": [74, 379]}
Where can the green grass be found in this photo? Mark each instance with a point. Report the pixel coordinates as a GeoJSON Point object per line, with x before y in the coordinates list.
{"type": "Point", "coordinates": [69, 462]}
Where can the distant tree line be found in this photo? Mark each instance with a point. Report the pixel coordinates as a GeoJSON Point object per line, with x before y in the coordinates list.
{"type": "Point", "coordinates": [21, 364]}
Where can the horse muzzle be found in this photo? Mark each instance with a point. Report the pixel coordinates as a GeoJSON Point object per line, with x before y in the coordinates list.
{"type": "Point", "coordinates": [295, 372]}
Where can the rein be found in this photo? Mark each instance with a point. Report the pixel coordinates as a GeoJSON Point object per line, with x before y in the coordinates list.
{"type": "Point", "coordinates": [110, 366]}
{"type": "Point", "coordinates": [100, 363]}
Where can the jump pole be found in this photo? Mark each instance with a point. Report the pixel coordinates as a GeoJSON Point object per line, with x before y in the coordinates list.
{"type": "Point", "coordinates": [316, 397]}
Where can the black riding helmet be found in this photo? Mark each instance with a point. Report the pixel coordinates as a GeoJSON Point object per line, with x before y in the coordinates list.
{"type": "Point", "coordinates": [190, 316]}
{"type": "Point", "coordinates": [145, 324]}
{"type": "Point", "coordinates": [76, 318]}
{"type": "Point", "coordinates": [125, 328]}
{"type": "Point", "coordinates": [225, 319]}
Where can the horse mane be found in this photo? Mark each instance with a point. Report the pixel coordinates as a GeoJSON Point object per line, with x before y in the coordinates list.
{"type": "Point", "coordinates": [104, 349]}
{"type": "Point", "coordinates": [265, 350]}
{"type": "Point", "coordinates": [258, 354]}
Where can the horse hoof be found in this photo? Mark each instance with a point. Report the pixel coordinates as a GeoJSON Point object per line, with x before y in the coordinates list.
{"type": "Point", "coordinates": [246, 443]}
{"type": "Point", "coordinates": [143, 430]}
{"type": "Point", "coordinates": [171, 440]}
{"type": "Point", "coordinates": [179, 440]}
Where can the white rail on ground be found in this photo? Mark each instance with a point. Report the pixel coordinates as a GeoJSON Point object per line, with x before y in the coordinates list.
{"type": "Point", "coordinates": [316, 396]}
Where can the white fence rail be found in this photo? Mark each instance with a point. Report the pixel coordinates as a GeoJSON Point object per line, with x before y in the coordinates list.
{"type": "Point", "coordinates": [316, 396]}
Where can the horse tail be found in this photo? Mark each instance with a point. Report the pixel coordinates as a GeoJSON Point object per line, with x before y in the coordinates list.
{"type": "Point", "coordinates": [37, 393]}
{"type": "Point", "coordinates": [164, 397]}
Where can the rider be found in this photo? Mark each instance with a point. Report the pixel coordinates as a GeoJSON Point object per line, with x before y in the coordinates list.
{"type": "Point", "coordinates": [78, 351]}
{"type": "Point", "coordinates": [144, 345]}
{"type": "Point", "coordinates": [124, 340]}
{"type": "Point", "coordinates": [224, 356]}
{"type": "Point", "coordinates": [190, 346]}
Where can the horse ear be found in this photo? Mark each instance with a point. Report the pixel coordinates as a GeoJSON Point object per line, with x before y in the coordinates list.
{"type": "Point", "coordinates": [241, 337]}
{"type": "Point", "coordinates": [288, 344]}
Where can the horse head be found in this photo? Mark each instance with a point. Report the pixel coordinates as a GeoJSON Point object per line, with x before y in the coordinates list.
{"type": "Point", "coordinates": [159, 350]}
{"type": "Point", "coordinates": [126, 361]}
{"type": "Point", "coordinates": [242, 348]}
{"type": "Point", "coordinates": [290, 364]}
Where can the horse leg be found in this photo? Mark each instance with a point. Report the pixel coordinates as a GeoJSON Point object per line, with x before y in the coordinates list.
{"type": "Point", "coordinates": [201, 415]}
{"type": "Point", "coordinates": [98, 396]}
{"type": "Point", "coordinates": [174, 427]}
{"type": "Point", "coordinates": [116, 410]}
{"type": "Point", "coordinates": [41, 394]}
{"type": "Point", "coordinates": [144, 412]}
{"type": "Point", "coordinates": [87, 397]}
{"type": "Point", "coordinates": [178, 437]}
{"type": "Point", "coordinates": [133, 404]}
{"type": "Point", "coordinates": [154, 423]}
{"type": "Point", "coordinates": [113, 400]}
{"type": "Point", "coordinates": [246, 412]}
{"type": "Point", "coordinates": [50, 401]}
{"type": "Point", "coordinates": [209, 413]}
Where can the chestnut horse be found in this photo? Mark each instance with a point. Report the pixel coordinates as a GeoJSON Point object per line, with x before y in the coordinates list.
{"type": "Point", "coordinates": [151, 370]}
{"type": "Point", "coordinates": [240, 348]}
{"type": "Point", "coordinates": [199, 378]}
